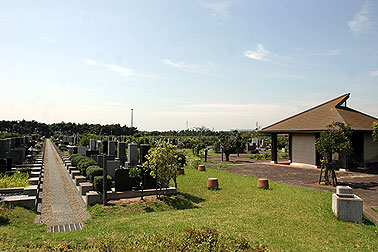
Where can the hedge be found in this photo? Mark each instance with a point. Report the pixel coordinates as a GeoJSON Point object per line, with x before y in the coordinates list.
{"type": "Point", "coordinates": [84, 164]}
{"type": "Point", "coordinates": [98, 183]}
{"type": "Point", "coordinates": [94, 171]}
{"type": "Point", "coordinates": [75, 159]}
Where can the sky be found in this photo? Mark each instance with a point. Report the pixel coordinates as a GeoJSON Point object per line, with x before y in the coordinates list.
{"type": "Point", "coordinates": [219, 64]}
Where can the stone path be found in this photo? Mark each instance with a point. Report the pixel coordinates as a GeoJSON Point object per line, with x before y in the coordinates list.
{"type": "Point", "coordinates": [365, 185]}
{"type": "Point", "coordinates": [61, 202]}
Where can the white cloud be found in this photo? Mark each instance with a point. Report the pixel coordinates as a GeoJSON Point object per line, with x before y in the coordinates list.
{"type": "Point", "coordinates": [191, 68]}
{"type": "Point", "coordinates": [374, 73]}
{"type": "Point", "coordinates": [90, 62]}
{"type": "Point", "coordinates": [127, 72]}
{"type": "Point", "coordinates": [219, 9]}
{"type": "Point", "coordinates": [361, 21]}
{"type": "Point", "coordinates": [260, 54]}
{"type": "Point", "coordinates": [50, 40]}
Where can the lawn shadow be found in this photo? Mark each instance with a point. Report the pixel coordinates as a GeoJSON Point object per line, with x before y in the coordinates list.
{"type": "Point", "coordinates": [4, 221]}
{"type": "Point", "coordinates": [183, 201]}
{"type": "Point", "coordinates": [361, 185]}
{"type": "Point", "coordinates": [367, 222]}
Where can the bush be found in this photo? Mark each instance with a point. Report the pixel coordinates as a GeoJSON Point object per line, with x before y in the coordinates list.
{"type": "Point", "coordinates": [93, 171]}
{"type": "Point", "coordinates": [285, 156]}
{"type": "Point", "coordinates": [75, 159]}
{"type": "Point", "coordinates": [84, 164]}
{"type": "Point", "coordinates": [18, 179]}
{"type": "Point", "coordinates": [98, 183]}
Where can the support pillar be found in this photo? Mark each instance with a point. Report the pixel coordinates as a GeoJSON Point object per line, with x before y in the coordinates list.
{"type": "Point", "coordinates": [290, 148]}
{"type": "Point", "coordinates": [274, 148]}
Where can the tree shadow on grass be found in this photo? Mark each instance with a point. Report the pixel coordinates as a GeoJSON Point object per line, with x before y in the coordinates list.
{"type": "Point", "coordinates": [367, 222]}
{"type": "Point", "coordinates": [183, 201]}
{"type": "Point", "coordinates": [4, 221]}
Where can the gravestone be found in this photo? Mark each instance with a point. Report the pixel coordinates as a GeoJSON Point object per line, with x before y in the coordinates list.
{"type": "Point", "coordinates": [92, 144]}
{"type": "Point", "coordinates": [13, 142]}
{"type": "Point", "coordinates": [3, 165]}
{"type": "Point", "coordinates": [88, 153]}
{"type": "Point", "coordinates": [94, 157]}
{"type": "Point", "coordinates": [100, 159]}
{"type": "Point", "coordinates": [144, 148]}
{"type": "Point", "coordinates": [82, 150]}
{"type": "Point", "coordinates": [18, 155]}
{"type": "Point", "coordinates": [9, 163]}
{"type": "Point", "coordinates": [111, 166]}
{"type": "Point", "coordinates": [121, 152]}
{"type": "Point", "coordinates": [112, 148]}
{"type": "Point", "coordinates": [105, 147]}
{"type": "Point", "coordinates": [5, 145]}
{"type": "Point", "coordinates": [123, 182]}
{"type": "Point", "coordinates": [132, 154]}
{"type": "Point", "coordinates": [99, 147]}
{"type": "Point", "coordinates": [149, 181]}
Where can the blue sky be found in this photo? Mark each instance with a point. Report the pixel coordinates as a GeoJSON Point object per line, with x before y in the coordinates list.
{"type": "Point", "coordinates": [219, 64]}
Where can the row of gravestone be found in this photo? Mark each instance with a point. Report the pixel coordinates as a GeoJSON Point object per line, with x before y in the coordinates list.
{"type": "Point", "coordinates": [14, 150]}
{"type": "Point", "coordinates": [117, 162]}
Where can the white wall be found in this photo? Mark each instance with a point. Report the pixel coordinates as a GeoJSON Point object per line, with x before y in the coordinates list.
{"type": "Point", "coordinates": [370, 149]}
{"type": "Point", "coordinates": [303, 149]}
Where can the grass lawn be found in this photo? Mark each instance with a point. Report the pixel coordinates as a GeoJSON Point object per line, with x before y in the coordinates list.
{"type": "Point", "coordinates": [283, 218]}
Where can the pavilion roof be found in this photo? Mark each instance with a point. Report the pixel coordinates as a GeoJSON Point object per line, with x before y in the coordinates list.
{"type": "Point", "coordinates": [318, 118]}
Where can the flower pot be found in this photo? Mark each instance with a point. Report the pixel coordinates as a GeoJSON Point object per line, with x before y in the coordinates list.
{"type": "Point", "coordinates": [212, 183]}
{"type": "Point", "coordinates": [201, 168]}
{"type": "Point", "coordinates": [263, 184]}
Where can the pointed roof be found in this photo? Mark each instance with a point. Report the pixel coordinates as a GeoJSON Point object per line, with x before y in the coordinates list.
{"type": "Point", "coordinates": [318, 118]}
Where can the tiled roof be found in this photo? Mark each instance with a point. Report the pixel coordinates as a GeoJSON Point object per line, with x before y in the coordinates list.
{"type": "Point", "coordinates": [319, 117]}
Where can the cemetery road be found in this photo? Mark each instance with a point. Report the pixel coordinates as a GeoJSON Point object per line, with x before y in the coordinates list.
{"type": "Point", "coordinates": [61, 201]}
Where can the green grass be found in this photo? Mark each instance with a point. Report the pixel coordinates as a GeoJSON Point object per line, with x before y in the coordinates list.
{"type": "Point", "coordinates": [19, 179]}
{"type": "Point", "coordinates": [284, 218]}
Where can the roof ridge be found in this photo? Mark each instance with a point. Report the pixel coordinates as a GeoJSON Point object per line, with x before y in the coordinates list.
{"type": "Point", "coordinates": [344, 96]}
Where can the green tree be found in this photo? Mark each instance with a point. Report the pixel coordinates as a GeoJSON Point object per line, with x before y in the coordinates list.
{"type": "Point", "coordinates": [163, 160]}
{"type": "Point", "coordinates": [335, 140]}
{"type": "Point", "coordinates": [229, 144]}
{"type": "Point", "coordinates": [375, 131]}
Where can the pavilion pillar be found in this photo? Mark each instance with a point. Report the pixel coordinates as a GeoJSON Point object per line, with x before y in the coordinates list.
{"type": "Point", "coordinates": [290, 148]}
{"type": "Point", "coordinates": [274, 148]}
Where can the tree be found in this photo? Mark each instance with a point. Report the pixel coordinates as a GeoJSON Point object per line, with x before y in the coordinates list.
{"type": "Point", "coordinates": [335, 140]}
{"type": "Point", "coordinates": [163, 160]}
{"type": "Point", "coordinates": [138, 172]}
{"type": "Point", "coordinates": [229, 144]}
{"type": "Point", "coordinates": [375, 131]}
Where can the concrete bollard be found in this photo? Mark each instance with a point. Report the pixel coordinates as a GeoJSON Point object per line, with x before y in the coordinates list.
{"type": "Point", "coordinates": [201, 168]}
{"type": "Point", "coordinates": [212, 183]}
{"type": "Point", "coordinates": [263, 183]}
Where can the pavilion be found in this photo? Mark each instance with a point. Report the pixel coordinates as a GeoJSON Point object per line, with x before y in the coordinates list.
{"type": "Point", "coordinates": [304, 128]}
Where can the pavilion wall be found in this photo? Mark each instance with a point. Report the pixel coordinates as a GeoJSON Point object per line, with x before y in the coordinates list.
{"type": "Point", "coordinates": [303, 149]}
{"type": "Point", "coordinates": [370, 149]}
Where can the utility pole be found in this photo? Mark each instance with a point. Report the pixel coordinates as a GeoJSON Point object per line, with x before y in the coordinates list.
{"type": "Point", "coordinates": [132, 118]}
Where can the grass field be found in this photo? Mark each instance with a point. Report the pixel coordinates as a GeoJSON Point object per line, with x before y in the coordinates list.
{"type": "Point", "coordinates": [283, 218]}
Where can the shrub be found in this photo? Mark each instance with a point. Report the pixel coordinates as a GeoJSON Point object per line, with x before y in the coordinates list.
{"type": "Point", "coordinates": [18, 179]}
{"type": "Point", "coordinates": [84, 164]}
{"type": "Point", "coordinates": [75, 159]}
{"type": "Point", "coordinates": [285, 156]}
{"type": "Point", "coordinates": [98, 183]}
{"type": "Point", "coordinates": [93, 171]}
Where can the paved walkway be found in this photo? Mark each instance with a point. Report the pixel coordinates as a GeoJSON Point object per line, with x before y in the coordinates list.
{"type": "Point", "coordinates": [61, 202]}
{"type": "Point", "coordinates": [365, 185]}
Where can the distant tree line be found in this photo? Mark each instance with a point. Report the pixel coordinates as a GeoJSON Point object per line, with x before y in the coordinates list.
{"type": "Point", "coordinates": [24, 127]}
